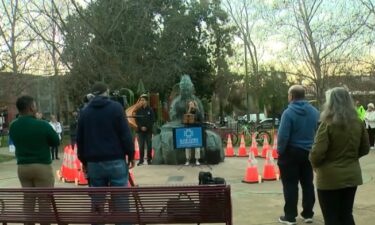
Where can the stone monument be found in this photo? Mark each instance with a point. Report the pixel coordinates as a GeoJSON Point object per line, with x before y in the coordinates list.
{"type": "Point", "coordinates": [165, 153]}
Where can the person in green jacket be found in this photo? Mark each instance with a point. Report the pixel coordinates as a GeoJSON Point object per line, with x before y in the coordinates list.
{"type": "Point", "coordinates": [360, 110]}
{"type": "Point", "coordinates": [339, 143]}
{"type": "Point", "coordinates": [33, 139]}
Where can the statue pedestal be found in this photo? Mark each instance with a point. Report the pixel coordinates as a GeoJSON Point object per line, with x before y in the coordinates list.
{"type": "Point", "coordinates": [165, 153]}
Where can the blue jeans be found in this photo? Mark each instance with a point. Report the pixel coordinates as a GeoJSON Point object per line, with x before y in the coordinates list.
{"type": "Point", "coordinates": [113, 173]}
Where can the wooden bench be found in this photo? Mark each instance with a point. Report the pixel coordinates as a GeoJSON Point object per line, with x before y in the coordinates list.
{"type": "Point", "coordinates": [136, 205]}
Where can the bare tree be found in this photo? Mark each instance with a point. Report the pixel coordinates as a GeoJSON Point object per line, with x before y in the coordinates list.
{"type": "Point", "coordinates": [247, 17]}
{"type": "Point", "coordinates": [323, 33]}
{"type": "Point", "coordinates": [16, 37]}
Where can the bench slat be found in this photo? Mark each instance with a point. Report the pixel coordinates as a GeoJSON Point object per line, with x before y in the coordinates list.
{"type": "Point", "coordinates": [137, 205]}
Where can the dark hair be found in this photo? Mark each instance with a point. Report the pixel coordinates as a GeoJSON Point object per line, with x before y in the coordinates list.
{"type": "Point", "coordinates": [297, 92]}
{"type": "Point", "coordinates": [24, 102]}
{"type": "Point", "coordinates": [99, 88]}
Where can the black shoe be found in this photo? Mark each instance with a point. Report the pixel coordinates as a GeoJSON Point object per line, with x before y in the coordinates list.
{"type": "Point", "coordinates": [140, 164]}
{"type": "Point", "coordinates": [57, 158]}
{"type": "Point", "coordinates": [283, 220]}
{"type": "Point", "coordinates": [149, 162]}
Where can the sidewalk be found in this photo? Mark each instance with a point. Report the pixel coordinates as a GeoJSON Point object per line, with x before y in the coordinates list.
{"type": "Point", "coordinates": [253, 204]}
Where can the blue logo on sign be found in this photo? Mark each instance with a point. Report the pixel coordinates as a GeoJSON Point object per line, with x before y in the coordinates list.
{"type": "Point", "coordinates": [188, 137]}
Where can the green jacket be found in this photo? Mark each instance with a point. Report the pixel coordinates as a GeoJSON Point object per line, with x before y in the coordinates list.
{"type": "Point", "coordinates": [335, 155]}
{"type": "Point", "coordinates": [33, 138]}
{"type": "Point", "coordinates": [361, 112]}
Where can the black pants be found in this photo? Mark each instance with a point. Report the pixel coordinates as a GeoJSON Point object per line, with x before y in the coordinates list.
{"type": "Point", "coordinates": [54, 152]}
{"type": "Point", "coordinates": [337, 205]}
{"type": "Point", "coordinates": [295, 168]}
{"type": "Point", "coordinates": [145, 138]}
{"type": "Point", "coordinates": [73, 141]}
{"type": "Point", "coordinates": [371, 135]}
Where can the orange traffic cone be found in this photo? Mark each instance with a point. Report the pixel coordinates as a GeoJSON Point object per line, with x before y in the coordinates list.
{"type": "Point", "coordinates": [229, 152]}
{"type": "Point", "coordinates": [266, 147]}
{"type": "Point", "coordinates": [269, 169]}
{"type": "Point", "coordinates": [131, 182]}
{"type": "Point", "coordinates": [136, 149]}
{"type": "Point", "coordinates": [254, 145]}
{"type": "Point", "coordinates": [242, 150]}
{"type": "Point", "coordinates": [275, 155]}
{"type": "Point", "coordinates": [252, 175]}
{"type": "Point", "coordinates": [68, 170]}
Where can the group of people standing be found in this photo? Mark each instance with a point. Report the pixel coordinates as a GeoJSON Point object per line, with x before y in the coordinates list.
{"type": "Point", "coordinates": [330, 144]}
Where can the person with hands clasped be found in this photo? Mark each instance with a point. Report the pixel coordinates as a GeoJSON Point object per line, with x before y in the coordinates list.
{"type": "Point", "coordinates": [370, 123]}
{"type": "Point", "coordinates": [198, 119]}
{"type": "Point", "coordinates": [144, 119]}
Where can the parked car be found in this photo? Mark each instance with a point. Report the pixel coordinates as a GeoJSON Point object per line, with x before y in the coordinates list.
{"type": "Point", "coordinates": [269, 123]}
{"type": "Point", "coordinates": [253, 118]}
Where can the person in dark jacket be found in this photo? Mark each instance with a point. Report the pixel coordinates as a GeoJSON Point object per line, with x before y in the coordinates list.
{"type": "Point", "coordinates": [298, 125]}
{"type": "Point", "coordinates": [145, 119]}
{"type": "Point", "coordinates": [104, 144]}
{"type": "Point", "coordinates": [104, 140]}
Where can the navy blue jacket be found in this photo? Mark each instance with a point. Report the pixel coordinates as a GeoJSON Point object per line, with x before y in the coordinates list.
{"type": "Point", "coordinates": [103, 132]}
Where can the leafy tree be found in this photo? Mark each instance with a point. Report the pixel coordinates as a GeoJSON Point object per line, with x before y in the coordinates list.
{"type": "Point", "coordinates": [122, 42]}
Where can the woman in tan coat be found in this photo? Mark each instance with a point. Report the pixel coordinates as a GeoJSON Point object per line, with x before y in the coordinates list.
{"type": "Point", "coordinates": [339, 143]}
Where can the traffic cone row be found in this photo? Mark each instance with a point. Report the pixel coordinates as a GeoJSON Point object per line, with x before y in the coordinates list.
{"type": "Point", "coordinates": [71, 169]}
{"type": "Point", "coordinates": [67, 170]}
{"type": "Point", "coordinates": [270, 170]}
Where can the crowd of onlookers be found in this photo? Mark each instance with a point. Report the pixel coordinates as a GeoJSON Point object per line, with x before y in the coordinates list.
{"type": "Point", "coordinates": [326, 144]}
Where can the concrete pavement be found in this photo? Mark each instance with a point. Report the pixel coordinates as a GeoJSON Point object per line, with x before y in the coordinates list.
{"type": "Point", "coordinates": [253, 204]}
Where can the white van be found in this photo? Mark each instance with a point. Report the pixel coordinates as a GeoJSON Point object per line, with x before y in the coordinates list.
{"type": "Point", "coordinates": [253, 117]}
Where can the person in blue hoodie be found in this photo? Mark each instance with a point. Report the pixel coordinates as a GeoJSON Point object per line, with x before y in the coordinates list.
{"type": "Point", "coordinates": [104, 144]}
{"type": "Point", "coordinates": [296, 133]}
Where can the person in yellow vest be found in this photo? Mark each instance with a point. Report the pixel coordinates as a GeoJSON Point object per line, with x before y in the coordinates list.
{"type": "Point", "coordinates": [360, 110]}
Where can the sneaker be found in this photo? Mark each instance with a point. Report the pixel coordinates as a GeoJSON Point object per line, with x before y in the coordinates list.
{"type": "Point", "coordinates": [139, 163]}
{"type": "Point", "coordinates": [285, 221]}
{"type": "Point", "coordinates": [307, 219]}
{"type": "Point", "coordinates": [197, 163]}
{"type": "Point", "coordinates": [187, 163]}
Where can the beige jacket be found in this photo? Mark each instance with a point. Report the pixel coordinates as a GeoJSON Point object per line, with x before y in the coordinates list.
{"type": "Point", "coordinates": [335, 155]}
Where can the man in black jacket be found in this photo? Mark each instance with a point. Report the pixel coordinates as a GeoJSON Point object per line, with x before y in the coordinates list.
{"type": "Point", "coordinates": [145, 119]}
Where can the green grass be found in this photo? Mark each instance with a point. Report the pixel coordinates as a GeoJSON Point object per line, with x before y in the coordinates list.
{"type": "Point", "coordinates": [5, 158]}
